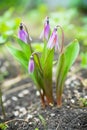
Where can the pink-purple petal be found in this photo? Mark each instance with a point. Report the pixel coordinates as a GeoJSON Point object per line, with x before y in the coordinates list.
{"type": "Point", "coordinates": [23, 35]}
{"type": "Point", "coordinates": [46, 31]}
{"type": "Point", "coordinates": [31, 65]}
{"type": "Point", "coordinates": [50, 44]}
{"type": "Point", "coordinates": [53, 41]}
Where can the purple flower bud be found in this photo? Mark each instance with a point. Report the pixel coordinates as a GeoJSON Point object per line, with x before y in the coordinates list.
{"type": "Point", "coordinates": [46, 31]}
{"type": "Point", "coordinates": [22, 34]}
{"type": "Point", "coordinates": [31, 65]}
{"type": "Point", "coordinates": [53, 40]}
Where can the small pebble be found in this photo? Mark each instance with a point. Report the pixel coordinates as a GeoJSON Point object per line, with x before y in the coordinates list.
{"type": "Point", "coordinates": [25, 92]}
{"type": "Point", "coordinates": [14, 98]}
{"type": "Point", "coordinates": [8, 102]}
{"type": "Point", "coordinates": [72, 101]}
{"type": "Point", "coordinates": [20, 95]}
{"type": "Point", "coordinates": [68, 81]}
{"type": "Point", "coordinates": [35, 112]}
{"type": "Point", "coordinates": [78, 124]}
{"type": "Point", "coordinates": [72, 84]}
{"type": "Point", "coordinates": [68, 106]}
{"type": "Point", "coordinates": [29, 116]}
{"type": "Point", "coordinates": [37, 93]}
{"type": "Point", "coordinates": [52, 114]}
{"type": "Point", "coordinates": [16, 113]}
{"type": "Point", "coordinates": [23, 111]}
{"type": "Point", "coordinates": [30, 123]}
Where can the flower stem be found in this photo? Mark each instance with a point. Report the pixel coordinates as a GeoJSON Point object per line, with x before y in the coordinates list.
{"type": "Point", "coordinates": [62, 44]}
{"type": "Point", "coordinates": [1, 102]}
{"type": "Point", "coordinates": [35, 53]}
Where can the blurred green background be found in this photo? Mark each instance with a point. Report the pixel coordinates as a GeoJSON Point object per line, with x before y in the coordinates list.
{"type": "Point", "coordinates": [70, 14]}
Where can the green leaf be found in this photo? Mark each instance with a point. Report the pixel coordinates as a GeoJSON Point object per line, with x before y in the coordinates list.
{"type": "Point", "coordinates": [65, 61]}
{"type": "Point", "coordinates": [37, 78]}
{"type": "Point", "coordinates": [25, 47]}
{"type": "Point", "coordinates": [38, 73]}
{"type": "Point", "coordinates": [48, 64]}
{"type": "Point", "coordinates": [47, 70]}
{"type": "Point", "coordinates": [60, 69]}
{"type": "Point", "coordinates": [3, 126]}
{"type": "Point", "coordinates": [19, 55]}
{"type": "Point", "coordinates": [42, 120]}
{"type": "Point", "coordinates": [44, 54]}
{"type": "Point", "coordinates": [37, 61]}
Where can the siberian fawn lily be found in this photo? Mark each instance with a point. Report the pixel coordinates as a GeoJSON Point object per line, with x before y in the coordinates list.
{"type": "Point", "coordinates": [39, 66]}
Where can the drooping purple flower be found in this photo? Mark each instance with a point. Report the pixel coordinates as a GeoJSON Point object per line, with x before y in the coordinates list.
{"type": "Point", "coordinates": [53, 40]}
{"type": "Point", "coordinates": [22, 34]}
{"type": "Point", "coordinates": [46, 31]}
{"type": "Point", "coordinates": [31, 65]}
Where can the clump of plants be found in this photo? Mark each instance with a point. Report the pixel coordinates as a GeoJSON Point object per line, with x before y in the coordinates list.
{"type": "Point", "coordinates": [3, 126]}
{"type": "Point", "coordinates": [83, 102]}
{"type": "Point", "coordinates": [39, 65]}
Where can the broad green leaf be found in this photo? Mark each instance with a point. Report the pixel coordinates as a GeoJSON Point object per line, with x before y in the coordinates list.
{"type": "Point", "coordinates": [37, 61]}
{"type": "Point", "coordinates": [38, 72]}
{"type": "Point", "coordinates": [47, 70]}
{"type": "Point", "coordinates": [65, 61]}
{"type": "Point", "coordinates": [25, 47]}
{"type": "Point", "coordinates": [48, 64]}
{"type": "Point", "coordinates": [37, 78]}
{"type": "Point", "coordinates": [37, 75]}
{"type": "Point", "coordinates": [60, 68]}
{"type": "Point", "coordinates": [19, 55]}
{"type": "Point", "coordinates": [3, 126]}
